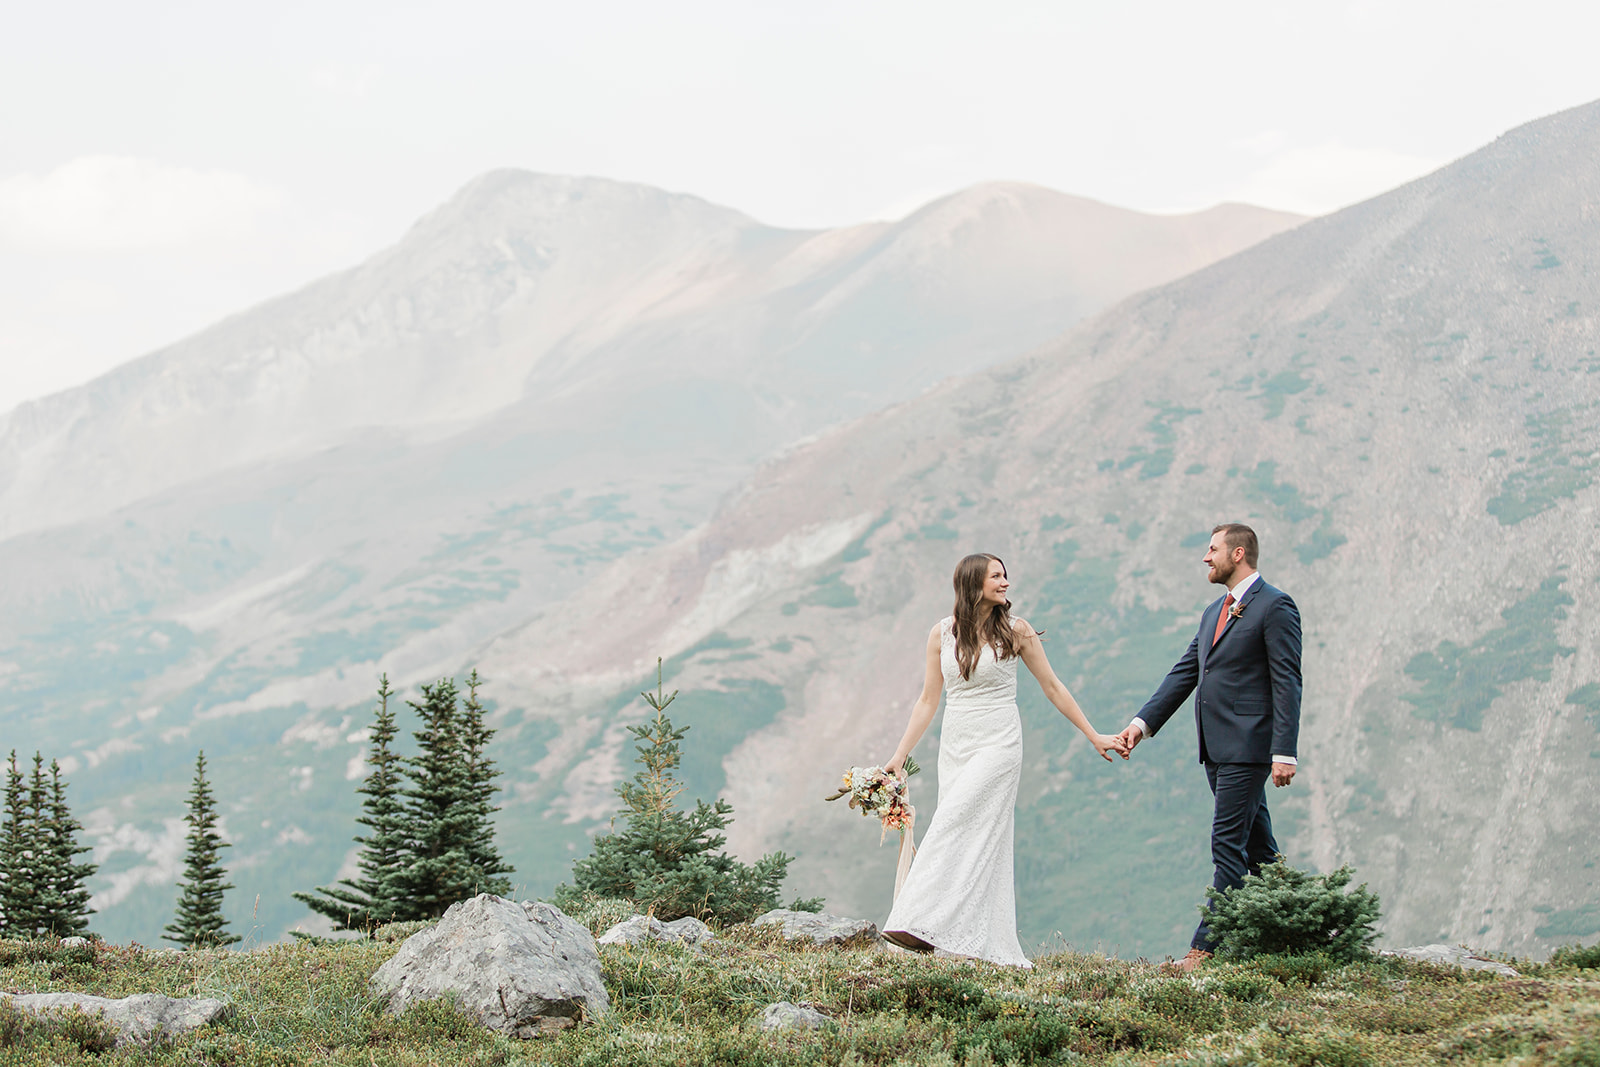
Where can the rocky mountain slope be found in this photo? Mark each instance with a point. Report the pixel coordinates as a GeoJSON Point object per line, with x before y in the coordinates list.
{"type": "Point", "coordinates": [1403, 398]}
{"type": "Point", "coordinates": [222, 544]}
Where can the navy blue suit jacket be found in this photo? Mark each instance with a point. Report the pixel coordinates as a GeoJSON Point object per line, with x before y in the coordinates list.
{"type": "Point", "coordinates": [1247, 686]}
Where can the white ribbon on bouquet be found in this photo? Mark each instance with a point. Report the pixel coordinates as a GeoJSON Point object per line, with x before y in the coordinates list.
{"type": "Point", "coordinates": [908, 851]}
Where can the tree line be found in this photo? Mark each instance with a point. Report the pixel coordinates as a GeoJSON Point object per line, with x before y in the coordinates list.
{"type": "Point", "coordinates": [428, 837]}
{"type": "Point", "coordinates": [42, 890]}
{"type": "Point", "coordinates": [429, 818]}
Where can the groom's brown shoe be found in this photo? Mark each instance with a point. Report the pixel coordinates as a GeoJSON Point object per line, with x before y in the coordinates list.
{"type": "Point", "coordinates": [1191, 962]}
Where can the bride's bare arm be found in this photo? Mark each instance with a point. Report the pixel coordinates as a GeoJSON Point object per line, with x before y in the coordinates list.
{"type": "Point", "coordinates": [1055, 692]}
{"type": "Point", "coordinates": [925, 708]}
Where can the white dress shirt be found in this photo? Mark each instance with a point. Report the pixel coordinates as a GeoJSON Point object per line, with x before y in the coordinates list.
{"type": "Point", "coordinates": [1237, 591]}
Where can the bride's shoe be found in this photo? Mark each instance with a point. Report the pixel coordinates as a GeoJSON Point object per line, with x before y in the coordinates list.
{"type": "Point", "coordinates": [909, 942]}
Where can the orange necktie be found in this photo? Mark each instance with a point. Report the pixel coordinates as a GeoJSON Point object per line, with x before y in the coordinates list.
{"type": "Point", "coordinates": [1222, 620]}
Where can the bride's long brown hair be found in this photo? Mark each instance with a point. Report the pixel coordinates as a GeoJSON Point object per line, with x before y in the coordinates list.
{"type": "Point", "coordinates": [976, 623]}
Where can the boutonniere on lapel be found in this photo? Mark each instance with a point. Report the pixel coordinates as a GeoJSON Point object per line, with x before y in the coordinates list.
{"type": "Point", "coordinates": [1235, 611]}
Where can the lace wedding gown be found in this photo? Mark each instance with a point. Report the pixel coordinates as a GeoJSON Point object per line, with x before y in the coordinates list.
{"type": "Point", "coordinates": [959, 894]}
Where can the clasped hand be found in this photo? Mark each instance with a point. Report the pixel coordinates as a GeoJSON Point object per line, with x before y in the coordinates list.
{"type": "Point", "coordinates": [1129, 738]}
{"type": "Point", "coordinates": [1105, 744]}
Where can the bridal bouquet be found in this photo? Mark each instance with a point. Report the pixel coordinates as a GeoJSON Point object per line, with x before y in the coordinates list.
{"type": "Point", "coordinates": [881, 795]}
{"type": "Point", "coordinates": [875, 792]}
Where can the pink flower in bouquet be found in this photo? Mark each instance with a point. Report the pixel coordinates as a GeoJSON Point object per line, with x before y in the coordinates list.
{"type": "Point", "coordinates": [877, 793]}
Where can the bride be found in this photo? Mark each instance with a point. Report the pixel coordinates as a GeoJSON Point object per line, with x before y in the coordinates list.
{"type": "Point", "coordinates": [959, 896]}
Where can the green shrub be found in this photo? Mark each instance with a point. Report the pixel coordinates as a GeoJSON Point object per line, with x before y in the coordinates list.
{"type": "Point", "coordinates": [1194, 1006]}
{"type": "Point", "coordinates": [926, 994]}
{"type": "Point", "coordinates": [1247, 987]}
{"type": "Point", "coordinates": [1314, 1050]}
{"type": "Point", "coordinates": [1494, 1038]}
{"type": "Point", "coordinates": [1015, 1028]}
{"type": "Point", "coordinates": [401, 931]}
{"type": "Point", "coordinates": [44, 951]}
{"type": "Point", "coordinates": [1307, 970]}
{"type": "Point", "coordinates": [1098, 984]}
{"type": "Point", "coordinates": [1577, 956]}
{"type": "Point", "coordinates": [669, 862]}
{"type": "Point", "coordinates": [1285, 911]}
{"type": "Point", "coordinates": [54, 1033]}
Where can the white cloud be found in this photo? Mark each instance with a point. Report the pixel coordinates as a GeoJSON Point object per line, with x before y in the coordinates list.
{"type": "Point", "coordinates": [122, 203]}
{"type": "Point", "coordinates": [313, 730]}
{"type": "Point", "coordinates": [162, 853]}
{"type": "Point", "coordinates": [117, 746]}
{"type": "Point", "coordinates": [1322, 178]}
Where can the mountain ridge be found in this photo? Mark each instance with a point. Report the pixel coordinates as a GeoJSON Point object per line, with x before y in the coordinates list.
{"type": "Point", "coordinates": [1383, 392]}
{"type": "Point", "coordinates": [383, 471]}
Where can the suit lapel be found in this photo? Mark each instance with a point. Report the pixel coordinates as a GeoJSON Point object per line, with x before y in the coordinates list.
{"type": "Point", "coordinates": [1208, 626]}
{"type": "Point", "coordinates": [1249, 595]}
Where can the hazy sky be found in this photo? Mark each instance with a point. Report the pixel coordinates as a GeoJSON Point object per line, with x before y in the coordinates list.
{"type": "Point", "coordinates": [163, 164]}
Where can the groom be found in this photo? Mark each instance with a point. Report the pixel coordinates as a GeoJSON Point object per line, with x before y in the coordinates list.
{"type": "Point", "coordinates": [1245, 664]}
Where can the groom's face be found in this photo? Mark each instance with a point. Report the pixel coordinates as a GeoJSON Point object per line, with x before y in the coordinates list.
{"type": "Point", "coordinates": [1220, 559]}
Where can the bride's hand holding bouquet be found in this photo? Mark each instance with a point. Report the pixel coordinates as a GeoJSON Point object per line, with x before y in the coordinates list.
{"type": "Point", "coordinates": [883, 793]}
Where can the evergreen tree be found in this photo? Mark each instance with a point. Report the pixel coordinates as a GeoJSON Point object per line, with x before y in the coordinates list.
{"type": "Point", "coordinates": [36, 853]}
{"type": "Point", "coordinates": [438, 812]}
{"type": "Point", "coordinates": [432, 842]}
{"type": "Point", "coordinates": [199, 922]}
{"type": "Point", "coordinates": [64, 902]}
{"type": "Point", "coordinates": [666, 860]}
{"type": "Point", "coordinates": [374, 898]}
{"type": "Point", "coordinates": [18, 891]}
{"type": "Point", "coordinates": [483, 855]}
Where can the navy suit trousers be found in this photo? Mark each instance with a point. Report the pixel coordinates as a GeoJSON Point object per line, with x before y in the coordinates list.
{"type": "Point", "coordinates": [1241, 829]}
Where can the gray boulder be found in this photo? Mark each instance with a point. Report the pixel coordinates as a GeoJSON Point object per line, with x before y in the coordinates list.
{"type": "Point", "coordinates": [74, 941]}
{"type": "Point", "coordinates": [523, 969]}
{"type": "Point", "coordinates": [1454, 956]}
{"type": "Point", "coordinates": [818, 929]}
{"type": "Point", "coordinates": [786, 1016]}
{"type": "Point", "coordinates": [685, 931]}
{"type": "Point", "coordinates": [140, 1019]}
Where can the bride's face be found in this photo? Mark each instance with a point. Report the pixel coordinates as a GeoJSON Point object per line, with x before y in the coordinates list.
{"type": "Point", "coordinates": [995, 584]}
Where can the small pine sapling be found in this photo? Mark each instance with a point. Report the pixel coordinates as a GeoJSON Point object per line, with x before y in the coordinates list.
{"type": "Point", "coordinates": [666, 860]}
{"type": "Point", "coordinates": [1285, 911]}
{"type": "Point", "coordinates": [1577, 957]}
{"type": "Point", "coordinates": [199, 922]}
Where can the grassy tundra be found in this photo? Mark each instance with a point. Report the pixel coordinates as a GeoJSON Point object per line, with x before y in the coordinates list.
{"type": "Point", "coordinates": [308, 1003]}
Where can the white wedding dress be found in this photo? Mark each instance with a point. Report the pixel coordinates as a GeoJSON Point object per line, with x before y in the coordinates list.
{"type": "Point", "coordinates": [959, 895]}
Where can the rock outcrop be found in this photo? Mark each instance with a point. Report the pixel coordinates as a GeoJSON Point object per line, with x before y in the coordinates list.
{"type": "Point", "coordinates": [140, 1019]}
{"type": "Point", "coordinates": [1454, 956]}
{"type": "Point", "coordinates": [786, 1016]}
{"type": "Point", "coordinates": [817, 928]}
{"type": "Point", "coordinates": [523, 969]}
{"type": "Point", "coordinates": [685, 931]}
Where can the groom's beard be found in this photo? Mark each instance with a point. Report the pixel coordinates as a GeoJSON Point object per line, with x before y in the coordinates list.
{"type": "Point", "coordinates": [1219, 576]}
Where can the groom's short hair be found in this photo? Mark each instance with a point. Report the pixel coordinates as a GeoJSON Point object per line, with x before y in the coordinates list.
{"type": "Point", "coordinates": [1238, 535]}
